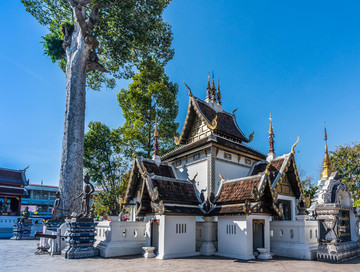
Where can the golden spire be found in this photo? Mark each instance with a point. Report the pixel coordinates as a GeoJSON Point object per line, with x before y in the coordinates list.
{"type": "Point", "coordinates": [156, 137]}
{"type": "Point", "coordinates": [271, 130]}
{"type": "Point", "coordinates": [208, 89]}
{"type": "Point", "coordinates": [325, 174]}
{"type": "Point", "coordinates": [156, 133]}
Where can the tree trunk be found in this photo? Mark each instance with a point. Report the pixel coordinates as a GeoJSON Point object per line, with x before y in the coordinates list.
{"type": "Point", "coordinates": [71, 171]}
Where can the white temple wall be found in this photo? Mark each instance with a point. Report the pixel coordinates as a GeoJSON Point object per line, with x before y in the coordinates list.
{"type": "Point", "coordinates": [199, 167]}
{"type": "Point", "coordinates": [233, 244]}
{"type": "Point", "coordinates": [295, 239]}
{"type": "Point", "coordinates": [177, 237]}
{"type": "Point", "coordinates": [238, 242]}
{"type": "Point", "coordinates": [229, 170]}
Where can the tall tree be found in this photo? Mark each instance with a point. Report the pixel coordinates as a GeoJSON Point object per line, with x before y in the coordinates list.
{"type": "Point", "coordinates": [346, 161]}
{"type": "Point", "coordinates": [150, 95]}
{"type": "Point", "coordinates": [106, 167]}
{"type": "Point", "coordinates": [95, 42]}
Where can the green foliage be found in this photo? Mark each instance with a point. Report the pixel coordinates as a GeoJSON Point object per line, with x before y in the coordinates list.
{"type": "Point", "coordinates": [150, 95]}
{"type": "Point", "coordinates": [106, 167]}
{"type": "Point", "coordinates": [308, 188]}
{"type": "Point", "coordinates": [346, 161]}
{"type": "Point", "coordinates": [53, 45]}
{"type": "Point", "coordinates": [127, 32]}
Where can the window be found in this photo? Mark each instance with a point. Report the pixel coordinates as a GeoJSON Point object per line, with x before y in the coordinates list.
{"type": "Point", "coordinates": [291, 233]}
{"type": "Point", "coordinates": [248, 161]}
{"type": "Point", "coordinates": [286, 209]}
{"type": "Point", "coordinates": [196, 156]}
{"type": "Point", "coordinates": [180, 228]}
{"type": "Point", "coordinates": [231, 229]}
{"type": "Point", "coordinates": [227, 156]}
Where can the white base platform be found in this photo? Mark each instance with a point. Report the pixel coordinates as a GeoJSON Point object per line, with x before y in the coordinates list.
{"type": "Point", "coordinates": [178, 255]}
{"type": "Point", "coordinates": [295, 250]}
{"type": "Point", "coordinates": [115, 249]}
{"type": "Point", "coordinates": [235, 256]}
{"type": "Point", "coordinates": [207, 248]}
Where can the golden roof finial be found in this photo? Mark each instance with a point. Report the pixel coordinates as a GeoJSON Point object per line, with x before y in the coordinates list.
{"type": "Point", "coordinates": [326, 164]}
{"type": "Point", "coordinates": [271, 130]}
{"type": "Point", "coordinates": [156, 133]}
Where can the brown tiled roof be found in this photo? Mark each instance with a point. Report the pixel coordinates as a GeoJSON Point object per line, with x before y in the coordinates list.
{"type": "Point", "coordinates": [230, 209]}
{"type": "Point", "coordinates": [226, 123]}
{"type": "Point", "coordinates": [183, 210]}
{"type": "Point", "coordinates": [11, 177]}
{"type": "Point", "coordinates": [275, 169]}
{"type": "Point", "coordinates": [174, 191]}
{"type": "Point", "coordinates": [161, 170]}
{"type": "Point", "coordinates": [238, 191]}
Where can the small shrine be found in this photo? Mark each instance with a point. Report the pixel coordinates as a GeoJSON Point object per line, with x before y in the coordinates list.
{"type": "Point", "coordinates": [338, 235]}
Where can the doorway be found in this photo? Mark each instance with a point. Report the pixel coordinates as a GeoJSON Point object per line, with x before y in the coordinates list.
{"type": "Point", "coordinates": [155, 235]}
{"type": "Point", "coordinates": [258, 233]}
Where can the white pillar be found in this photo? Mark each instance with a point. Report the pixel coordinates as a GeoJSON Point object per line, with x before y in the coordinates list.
{"type": "Point", "coordinates": [207, 247]}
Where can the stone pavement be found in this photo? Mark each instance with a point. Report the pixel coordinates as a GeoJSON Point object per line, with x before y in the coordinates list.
{"type": "Point", "coordinates": [18, 255]}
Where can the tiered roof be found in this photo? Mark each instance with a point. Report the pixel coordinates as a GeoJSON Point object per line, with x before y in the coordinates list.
{"type": "Point", "coordinates": [258, 193]}
{"type": "Point", "coordinates": [158, 191]}
{"type": "Point", "coordinates": [13, 182]}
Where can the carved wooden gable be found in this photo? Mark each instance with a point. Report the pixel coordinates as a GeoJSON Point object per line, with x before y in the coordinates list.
{"type": "Point", "coordinates": [284, 188]}
{"type": "Point", "coordinates": [198, 131]}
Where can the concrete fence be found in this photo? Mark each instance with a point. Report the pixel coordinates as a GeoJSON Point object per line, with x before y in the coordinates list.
{"type": "Point", "coordinates": [120, 238]}
{"type": "Point", "coordinates": [296, 239]}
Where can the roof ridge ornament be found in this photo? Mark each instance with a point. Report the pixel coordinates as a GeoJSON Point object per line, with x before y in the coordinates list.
{"type": "Point", "coordinates": [218, 96]}
{"type": "Point", "coordinates": [251, 137]}
{"type": "Point", "coordinates": [176, 140]}
{"type": "Point", "coordinates": [26, 168]}
{"type": "Point", "coordinates": [208, 89]}
{"type": "Point", "coordinates": [294, 145]}
{"type": "Point", "coordinates": [133, 149]}
{"type": "Point", "coordinates": [190, 93]}
{"type": "Point", "coordinates": [213, 89]}
{"type": "Point", "coordinates": [213, 124]}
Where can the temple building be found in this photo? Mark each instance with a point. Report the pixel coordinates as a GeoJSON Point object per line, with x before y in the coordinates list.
{"type": "Point", "coordinates": [12, 189]}
{"type": "Point", "coordinates": [214, 194]}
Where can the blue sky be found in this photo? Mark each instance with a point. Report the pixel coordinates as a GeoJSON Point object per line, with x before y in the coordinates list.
{"type": "Point", "coordinates": [298, 60]}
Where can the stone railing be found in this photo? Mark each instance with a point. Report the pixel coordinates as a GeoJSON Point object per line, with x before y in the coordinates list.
{"type": "Point", "coordinates": [297, 239]}
{"type": "Point", "coordinates": [120, 238]}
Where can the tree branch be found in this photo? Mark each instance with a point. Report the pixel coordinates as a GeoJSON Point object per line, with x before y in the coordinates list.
{"type": "Point", "coordinates": [79, 11]}
{"type": "Point", "coordinates": [94, 16]}
{"type": "Point", "coordinates": [94, 65]}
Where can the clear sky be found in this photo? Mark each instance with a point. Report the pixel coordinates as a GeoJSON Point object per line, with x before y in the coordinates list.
{"type": "Point", "coordinates": [299, 60]}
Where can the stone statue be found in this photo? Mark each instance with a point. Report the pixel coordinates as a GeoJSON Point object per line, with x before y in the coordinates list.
{"type": "Point", "coordinates": [56, 207]}
{"type": "Point", "coordinates": [85, 197]}
{"type": "Point", "coordinates": [26, 213]}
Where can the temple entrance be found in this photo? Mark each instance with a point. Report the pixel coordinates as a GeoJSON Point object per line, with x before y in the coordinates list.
{"type": "Point", "coordinates": [155, 234]}
{"type": "Point", "coordinates": [258, 233]}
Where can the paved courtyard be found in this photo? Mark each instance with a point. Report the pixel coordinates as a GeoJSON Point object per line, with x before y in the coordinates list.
{"type": "Point", "coordinates": [19, 256]}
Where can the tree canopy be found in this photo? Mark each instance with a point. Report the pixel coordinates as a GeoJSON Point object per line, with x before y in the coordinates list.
{"type": "Point", "coordinates": [106, 167]}
{"type": "Point", "coordinates": [150, 95]}
{"type": "Point", "coordinates": [122, 33]}
{"type": "Point", "coordinates": [346, 161]}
